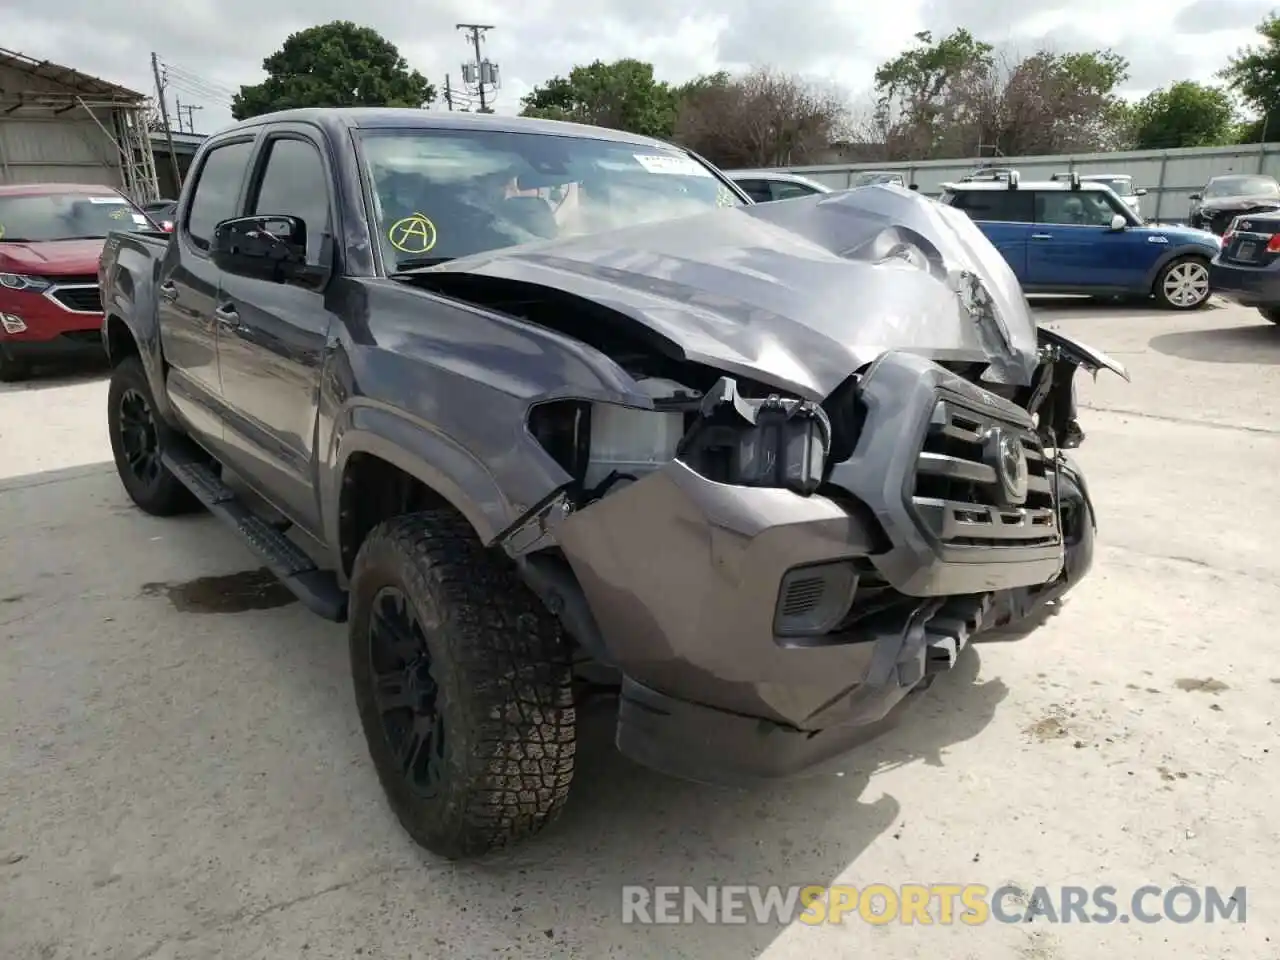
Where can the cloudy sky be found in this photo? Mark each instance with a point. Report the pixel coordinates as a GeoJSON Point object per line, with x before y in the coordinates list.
{"type": "Point", "coordinates": [213, 46]}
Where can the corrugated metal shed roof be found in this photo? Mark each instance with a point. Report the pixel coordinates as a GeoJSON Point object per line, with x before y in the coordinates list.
{"type": "Point", "coordinates": [82, 83]}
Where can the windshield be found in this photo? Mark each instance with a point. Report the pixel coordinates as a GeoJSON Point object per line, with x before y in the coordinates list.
{"type": "Point", "coordinates": [440, 194]}
{"type": "Point", "coordinates": [1242, 187]}
{"type": "Point", "coordinates": [42, 217]}
{"type": "Point", "coordinates": [1121, 186]}
{"type": "Point", "coordinates": [867, 179]}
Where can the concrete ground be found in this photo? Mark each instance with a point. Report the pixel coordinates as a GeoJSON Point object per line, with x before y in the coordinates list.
{"type": "Point", "coordinates": [182, 773]}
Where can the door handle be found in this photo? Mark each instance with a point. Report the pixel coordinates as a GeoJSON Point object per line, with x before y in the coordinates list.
{"type": "Point", "coordinates": [1042, 236]}
{"type": "Point", "coordinates": [227, 315]}
{"type": "Point", "coordinates": [169, 290]}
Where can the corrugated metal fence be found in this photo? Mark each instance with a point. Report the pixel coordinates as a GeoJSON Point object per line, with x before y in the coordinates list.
{"type": "Point", "coordinates": [1170, 176]}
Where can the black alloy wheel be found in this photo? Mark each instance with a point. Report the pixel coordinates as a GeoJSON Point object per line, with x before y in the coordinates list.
{"type": "Point", "coordinates": [406, 692]}
{"type": "Point", "coordinates": [139, 439]}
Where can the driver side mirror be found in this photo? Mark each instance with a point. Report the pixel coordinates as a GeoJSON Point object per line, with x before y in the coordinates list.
{"type": "Point", "coordinates": [1140, 192]}
{"type": "Point", "coordinates": [1118, 222]}
{"type": "Point", "coordinates": [265, 248]}
{"type": "Point", "coordinates": [1196, 196]}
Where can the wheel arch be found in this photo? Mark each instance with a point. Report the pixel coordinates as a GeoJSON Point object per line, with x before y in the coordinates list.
{"type": "Point", "coordinates": [387, 466]}
{"type": "Point", "coordinates": [1184, 250]}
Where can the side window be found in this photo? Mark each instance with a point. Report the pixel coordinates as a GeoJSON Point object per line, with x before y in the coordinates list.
{"type": "Point", "coordinates": [999, 206]}
{"type": "Point", "coordinates": [217, 190]}
{"type": "Point", "coordinates": [757, 190]}
{"type": "Point", "coordinates": [294, 183]}
{"type": "Point", "coordinates": [1072, 208]}
{"type": "Point", "coordinates": [788, 191]}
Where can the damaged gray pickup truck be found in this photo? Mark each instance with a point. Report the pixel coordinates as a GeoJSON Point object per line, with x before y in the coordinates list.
{"type": "Point", "coordinates": [535, 406]}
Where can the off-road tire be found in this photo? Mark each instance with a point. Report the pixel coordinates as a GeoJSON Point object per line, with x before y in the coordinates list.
{"type": "Point", "coordinates": [503, 681]}
{"type": "Point", "coordinates": [11, 370]}
{"type": "Point", "coordinates": [1162, 296]}
{"type": "Point", "coordinates": [163, 495]}
{"type": "Point", "coordinates": [1270, 313]}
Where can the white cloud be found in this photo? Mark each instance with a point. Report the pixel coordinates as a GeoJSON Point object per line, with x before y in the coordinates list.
{"type": "Point", "coordinates": [214, 46]}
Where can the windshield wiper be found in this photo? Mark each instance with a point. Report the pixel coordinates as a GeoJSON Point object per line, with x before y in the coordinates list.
{"type": "Point", "coordinates": [417, 263]}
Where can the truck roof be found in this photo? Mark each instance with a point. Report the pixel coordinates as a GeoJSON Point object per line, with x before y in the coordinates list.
{"type": "Point", "coordinates": [372, 118]}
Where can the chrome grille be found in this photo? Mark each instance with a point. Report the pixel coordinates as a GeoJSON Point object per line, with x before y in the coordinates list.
{"type": "Point", "coordinates": [959, 495]}
{"type": "Point", "coordinates": [81, 298]}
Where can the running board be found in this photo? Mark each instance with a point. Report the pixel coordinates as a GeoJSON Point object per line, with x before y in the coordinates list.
{"type": "Point", "coordinates": [317, 589]}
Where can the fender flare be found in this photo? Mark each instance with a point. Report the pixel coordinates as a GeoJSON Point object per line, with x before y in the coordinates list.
{"type": "Point", "coordinates": [429, 456]}
{"type": "Point", "coordinates": [125, 306]}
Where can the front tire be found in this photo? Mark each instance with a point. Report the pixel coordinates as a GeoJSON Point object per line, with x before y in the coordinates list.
{"type": "Point", "coordinates": [1183, 284]}
{"type": "Point", "coordinates": [137, 443]}
{"type": "Point", "coordinates": [463, 685]}
{"type": "Point", "coordinates": [1270, 313]}
{"type": "Point", "coordinates": [11, 370]}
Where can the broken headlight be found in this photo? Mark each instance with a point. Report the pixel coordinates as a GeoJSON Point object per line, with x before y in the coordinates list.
{"type": "Point", "coordinates": [772, 442]}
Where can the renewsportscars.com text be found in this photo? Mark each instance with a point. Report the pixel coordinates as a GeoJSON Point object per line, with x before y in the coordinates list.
{"type": "Point", "coordinates": [927, 904]}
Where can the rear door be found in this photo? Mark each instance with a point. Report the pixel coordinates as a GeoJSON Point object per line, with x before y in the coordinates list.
{"type": "Point", "coordinates": [1005, 217]}
{"type": "Point", "coordinates": [187, 286]}
{"type": "Point", "coordinates": [1073, 247]}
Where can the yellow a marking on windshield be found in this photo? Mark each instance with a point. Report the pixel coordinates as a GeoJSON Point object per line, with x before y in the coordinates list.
{"type": "Point", "coordinates": [414, 234]}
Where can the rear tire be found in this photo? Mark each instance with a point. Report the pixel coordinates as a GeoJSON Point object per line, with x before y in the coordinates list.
{"type": "Point", "coordinates": [1270, 313]}
{"type": "Point", "coordinates": [463, 684]}
{"type": "Point", "coordinates": [1183, 284]}
{"type": "Point", "coordinates": [138, 438]}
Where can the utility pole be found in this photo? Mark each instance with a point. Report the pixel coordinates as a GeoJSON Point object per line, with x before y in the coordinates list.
{"type": "Point", "coordinates": [479, 72]}
{"type": "Point", "coordinates": [164, 116]}
{"type": "Point", "coordinates": [448, 93]}
{"type": "Point", "coordinates": [191, 120]}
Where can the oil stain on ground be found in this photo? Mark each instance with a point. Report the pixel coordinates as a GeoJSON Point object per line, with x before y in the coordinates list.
{"type": "Point", "coordinates": [1208, 685]}
{"type": "Point", "coordinates": [230, 593]}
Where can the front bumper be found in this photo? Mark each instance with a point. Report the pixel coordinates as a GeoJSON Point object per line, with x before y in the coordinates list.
{"type": "Point", "coordinates": [761, 632]}
{"type": "Point", "coordinates": [63, 322]}
{"type": "Point", "coordinates": [1246, 285]}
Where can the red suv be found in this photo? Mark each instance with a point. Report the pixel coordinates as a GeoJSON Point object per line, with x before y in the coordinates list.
{"type": "Point", "coordinates": [51, 237]}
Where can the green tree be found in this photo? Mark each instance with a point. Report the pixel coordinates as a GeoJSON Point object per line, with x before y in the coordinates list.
{"type": "Point", "coordinates": [1186, 114]}
{"type": "Point", "coordinates": [954, 97]}
{"type": "Point", "coordinates": [336, 64]}
{"type": "Point", "coordinates": [1254, 74]}
{"type": "Point", "coordinates": [623, 95]}
{"type": "Point", "coordinates": [925, 92]}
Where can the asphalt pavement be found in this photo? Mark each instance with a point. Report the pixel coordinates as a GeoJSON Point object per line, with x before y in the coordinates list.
{"type": "Point", "coordinates": [182, 772]}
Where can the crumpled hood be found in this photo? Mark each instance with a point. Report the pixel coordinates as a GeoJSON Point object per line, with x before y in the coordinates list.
{"type": "Point", "coordinates": [801, 292]}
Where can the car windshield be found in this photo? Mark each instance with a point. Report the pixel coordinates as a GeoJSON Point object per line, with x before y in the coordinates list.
{"type": "Point", "coordinates": [1121, 186]}
{"type": "Point", "coordinates": [440, 194]}
{"type": "Point", "coordinates": [867, 179]}
{"type": "Point", "coordinates": [44, 217]}
{"type": "Point", "coordinates": [1242, 187]}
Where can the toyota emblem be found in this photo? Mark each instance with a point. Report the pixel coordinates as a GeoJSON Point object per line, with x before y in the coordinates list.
{"type": "Point", "coordinates": [1011, 464]}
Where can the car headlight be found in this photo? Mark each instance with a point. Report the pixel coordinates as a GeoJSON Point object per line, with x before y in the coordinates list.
{"type": "Point", "coordinates": [772, 442]}
{"type": "Point", "coordinates": [16, 281]}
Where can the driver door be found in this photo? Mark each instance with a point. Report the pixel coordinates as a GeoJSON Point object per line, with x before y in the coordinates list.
{"type": "Point", "coordinates": [1072, 245]}
{"type": "Point", "coordinates": [273, 335]}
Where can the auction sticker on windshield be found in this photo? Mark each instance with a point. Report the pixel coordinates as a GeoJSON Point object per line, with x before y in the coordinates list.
{"type": "Point", "coordinates": [663, 163]}
{"type": "Point", "coordinates": [107, 200]}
